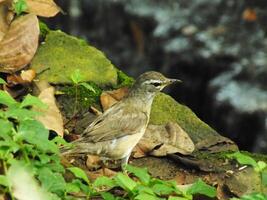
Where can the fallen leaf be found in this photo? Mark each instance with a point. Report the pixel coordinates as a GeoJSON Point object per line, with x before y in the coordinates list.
{"type": "Point", "coordinates": [25, 77]}
{"type": "Point", "coordinates": [249, 15]}
{"type": "Point", "coordinates": [19, 44]}
{"type": "Point", "coordinates": [28, 75]}
{"type": "Point", "coordinates": [51, 118]}
{"type": "Point", "coordinates": [93, 162]}
{"type": "Point", "coordinates": [109, 98]}
{"type": "Point", "coordinates": [3, 21]}
{"type": "Point", "coordinates": [160, 140]}
{"type": "Point", "coordinates": [43, 8]}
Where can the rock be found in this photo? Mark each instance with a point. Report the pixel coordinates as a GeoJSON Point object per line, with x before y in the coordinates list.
{"type": "Point", "coordinates": [61, 54]}
{"type": "Point", "coordinates": [165, 109]}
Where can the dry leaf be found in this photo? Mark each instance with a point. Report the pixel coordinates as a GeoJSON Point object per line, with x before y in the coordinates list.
{"type": "Point", "coordinates": [160, 140]}
{"type": "Point", "coordinates": [28, 75]}
{"type": "Point", "coordinates": [108, 98]}
{"type": "Point", "coordinates": [51, 118]}
{"type": "Point", "coordinates": [25, 77]}
{"type": "Point", "coordinates": [249, 15]}
{"type": "Point", "coordinates": [19, 44]}
{"type": "Point", "coordinates": [93, 162]}
{"type": "Point", "coordinates": [3, 20]}
{"type": "Point", "coordinates": [43, 8]}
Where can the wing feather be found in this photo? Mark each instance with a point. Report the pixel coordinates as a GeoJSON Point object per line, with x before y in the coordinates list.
{"type": "Point", "coordinates": [116, 122]}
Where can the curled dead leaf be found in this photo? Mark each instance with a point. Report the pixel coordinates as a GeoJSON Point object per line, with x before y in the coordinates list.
{"type": "Point", "coordinates": [51, 118]}
{"type": "Point", "coordinates": [108, 98]}
{"type": "Point", "coordinates": [43, 8]}
{"type": "Point", "coordinates": [161, 140]}
{"type": "Point", "coordinates": [19, 44]}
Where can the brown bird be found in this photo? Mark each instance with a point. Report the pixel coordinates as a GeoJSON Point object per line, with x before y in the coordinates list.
{"type": "Point", "coordinates": [114, 134]}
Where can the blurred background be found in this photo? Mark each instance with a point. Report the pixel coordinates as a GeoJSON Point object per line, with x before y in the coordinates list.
{"type": "Point", "coordinates": [218, 48]}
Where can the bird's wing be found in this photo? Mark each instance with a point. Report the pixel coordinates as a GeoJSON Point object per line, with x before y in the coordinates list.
{"type": "Point", "coordinates": [116, 122]}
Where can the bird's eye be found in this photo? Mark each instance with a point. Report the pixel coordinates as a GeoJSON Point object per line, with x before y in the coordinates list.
{"type": "Point", "coordinates": [156, 84]}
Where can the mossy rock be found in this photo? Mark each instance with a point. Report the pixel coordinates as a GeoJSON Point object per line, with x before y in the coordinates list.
{"type": "Point", "coordinates": [166, 109]}
{"type": "Point", "coordinates": [61, 54]}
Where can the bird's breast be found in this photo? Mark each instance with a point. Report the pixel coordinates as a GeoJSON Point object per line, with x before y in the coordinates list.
{"type": "Point", "coordinates": [121, 147]}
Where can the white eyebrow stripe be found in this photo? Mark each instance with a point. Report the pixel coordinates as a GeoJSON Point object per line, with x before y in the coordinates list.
{"type": "Point", "coordinates": [153, 81]}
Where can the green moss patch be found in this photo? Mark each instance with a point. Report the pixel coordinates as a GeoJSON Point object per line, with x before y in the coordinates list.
{"type": "Point", "coordinates": [61, 54]}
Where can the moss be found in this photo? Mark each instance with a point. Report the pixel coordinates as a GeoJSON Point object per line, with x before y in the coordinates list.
{"type": "Point", "coordinates": [78, 97]}
{"type": "Point", "coordinates": [165, 109]}
{"type": "Point", "coordinates": [124, 80]}
{"type": "Point", "coordinates": [61, 54]}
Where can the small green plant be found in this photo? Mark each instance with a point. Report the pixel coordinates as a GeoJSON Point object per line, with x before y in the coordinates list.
{"type": "Point", "coordinates": [19, 6]}
{"type": "Point", "coordinates": [143, 187]}
{"type": "Point", "coordinates": [259, 166]}
{"type": "Point", "coordinates": [24, 140]}
{"type": "Point", "coordinates": [78, 80]}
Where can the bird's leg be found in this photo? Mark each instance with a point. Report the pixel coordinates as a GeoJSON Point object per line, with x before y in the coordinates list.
{"type": "Point", "coordinates": [124, 162]}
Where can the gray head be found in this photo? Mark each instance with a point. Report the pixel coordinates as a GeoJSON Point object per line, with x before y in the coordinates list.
{"type": "Point", "coordinates": [152, 82]}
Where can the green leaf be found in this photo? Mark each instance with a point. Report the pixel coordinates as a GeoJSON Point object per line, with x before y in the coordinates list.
{"type": "Point", "coordinates": [30, 100]}
{"type": "Point", "coordinates": [79, 173]}
{"type": "Point", "coordinates": [7, 100]}
{"type": "Point", "coordinates": [179, 198]}
{"type": "Point", "coordinates": [125, 182]}
{"type": "Point", "coordinates": [2, 81]}
{"type": "Point", "coordinates": [163, 189]}
{"type": "Point", "coordinates": [44, 158]}
{"type": "Point", "coordinates": [243, 159]}
{"type": "Point", "coordinates": [53, 182]}
{"type": "Point", "coordinates": [4, 181]}
{"type": "Point", "coordinates": [141, 173]}
{"type": "Point", "coordinates": [6, 127]}
{"type": "Point", "coordinates": [261, 165]}
{"type": "Point", "coordinates": [107, 196]}
{"type": "Point", "coordinates": [104, 181]}
{"type": "Point", "coordinates": [143, 189]}
{"type": "Point", "coordinates": [19, 6]}
{"type": "Point", "coordinates": [72, 187]}
{"type": "Point", "coordinates": [88, 87]}
{"type": "Point", "coordinates": [21, 114]}
{"type": "Point", "coordinates": [85, 188]}
{"type": "Point", "coordinates": [201, 187]}
{"type": "Point", "coordinates": [145, 196]}
{"type": "Point", "coordinates": [76, 77]}
{"type": "Point", "coordinates": [35, 133]}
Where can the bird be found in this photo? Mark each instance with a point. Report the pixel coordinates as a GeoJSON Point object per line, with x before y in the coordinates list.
{"type": "Point", "coordinates": [115, 133]}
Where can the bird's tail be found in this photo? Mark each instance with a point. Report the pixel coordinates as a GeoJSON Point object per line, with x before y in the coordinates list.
{"type": "Point", "coordinates": [78, 148]}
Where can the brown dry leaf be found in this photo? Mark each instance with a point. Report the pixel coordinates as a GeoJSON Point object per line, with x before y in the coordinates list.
{"type": "Point", "coordinates": [19, 44]}
{"type": "Point", "coordinates": [108, 98]}
{"type": "Point", "coordinates": [28, 75]}
{"type": "Point", "coordinates": [3, 21]}
{"type": "Point", "coordinates": [249, 15]}
{"type": "Point", "coordinates": [51, 118]}
{"type": "Point", "coordinates": [101, 172]}
{"type": "Point", "coordinates": [160, 140]}
{"type": "Point", "coordinates": [93, 162]}
{"type": "Point", "coordinates": [43, 8]}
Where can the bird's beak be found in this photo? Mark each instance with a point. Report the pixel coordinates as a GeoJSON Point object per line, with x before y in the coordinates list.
{"type": "Point", "coordinates": [171, 80]}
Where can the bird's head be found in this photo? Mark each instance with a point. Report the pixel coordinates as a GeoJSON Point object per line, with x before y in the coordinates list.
{"type": "Point", "coordinates": [153, 82]}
